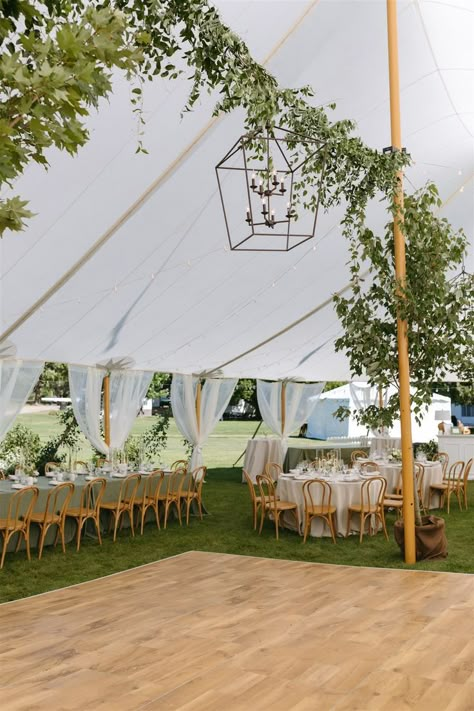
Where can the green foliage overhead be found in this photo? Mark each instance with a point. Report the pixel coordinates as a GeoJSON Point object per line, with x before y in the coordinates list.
{"type": "Point", "coordinates": [439, 315]}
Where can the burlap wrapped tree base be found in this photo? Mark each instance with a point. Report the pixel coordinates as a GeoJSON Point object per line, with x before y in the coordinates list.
{"type": "Point", "coordinates": [430, 538]}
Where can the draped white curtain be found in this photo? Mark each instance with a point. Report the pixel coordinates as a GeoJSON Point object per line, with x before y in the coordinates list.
{"type": "Point", "coordinates": [85, 388]}
{"type": "Point", "coordinates": [17, 380]}
{"type": "Point", "coordinates": [127, 390]}
{"type": "Point", "coordinates": [300, 400]}
{"type": "Point", "coordinates": [215, 397]}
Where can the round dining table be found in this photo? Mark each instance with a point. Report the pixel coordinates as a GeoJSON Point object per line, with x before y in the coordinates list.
{"type": "Point", "coordinates": [346, 491]}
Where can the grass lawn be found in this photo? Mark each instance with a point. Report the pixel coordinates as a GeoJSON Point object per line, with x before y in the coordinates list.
{"type": "Point", "coordinates": [223, 448]}
{"type": "Point", "coordinates": [227, 529]}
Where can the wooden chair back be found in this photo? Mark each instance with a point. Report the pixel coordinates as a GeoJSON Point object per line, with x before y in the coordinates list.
{"type": "Point", "coordinates": [128, 490]}
{"type": "Point", "coordinates": [153, 483]}
{"type": "Point", "coordinates": [467, 471]}
{"type": "Point", "coordinates": [179, 464]}
{"type": "Point", "coordinates": [82, 466]}
{"type": "Point", "coordinates": [358, 454]}
{"type": "Point", "coordinates": [369, 467]}
{"type": "Point", "coordinates": [455, 474]}
{"type": "Point", "coordinates": [443, 458]}
{"type": "Point", "coordinates": [199, 477]}
{"type": "Point", "coordinates": [58, 501]}
{"type": "Point", "coordinates": [251, 486]}
{"type": "Point", "coordinates": [372, 493]}
{"type": "Point", "coordinates": [91, 496]}
{"type": "Point", "coordinates": [174, 482]}
{"type": "Point", "coordinates": [273, 470]}
{"type": "Point", "coordinates": [267, 490]}
{"type": "Point", "coordinates": [20, 508]}
{"type": "Point", "coordinates": [317, 492]}
{"type": "Point", "coordinates": [51, 467]}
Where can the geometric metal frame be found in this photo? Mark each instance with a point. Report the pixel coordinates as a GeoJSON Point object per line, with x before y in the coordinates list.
{"type": "Point", "coordinates": [273, 182]}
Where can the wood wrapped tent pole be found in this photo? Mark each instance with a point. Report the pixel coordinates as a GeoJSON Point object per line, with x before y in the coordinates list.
{"type": "Point", "coordinates": [400, 273]}
{"type": "Point", "coordinates": [107, 410]}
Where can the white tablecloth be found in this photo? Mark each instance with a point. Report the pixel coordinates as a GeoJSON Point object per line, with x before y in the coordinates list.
{"type": "Point", "coordinates": [383, 443]}
{"type": "Point", "coordinates": [345, 493]}
{"type": "Point", "coordinates": [261, 450]}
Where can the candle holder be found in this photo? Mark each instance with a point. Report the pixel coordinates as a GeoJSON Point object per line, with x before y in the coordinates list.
{"type": "Point", "coordinates": [262, 184]}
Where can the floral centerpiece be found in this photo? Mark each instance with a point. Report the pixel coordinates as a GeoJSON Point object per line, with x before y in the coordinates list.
{"type": "Point", "coordinates": [395, 455]}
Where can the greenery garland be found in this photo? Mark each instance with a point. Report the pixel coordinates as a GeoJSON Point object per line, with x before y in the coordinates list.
{"type": "Point", "coordinates": [56, 62]}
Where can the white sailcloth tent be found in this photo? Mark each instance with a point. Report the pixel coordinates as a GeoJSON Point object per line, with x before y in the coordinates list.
{"type": "Point", "coordinates": [323, 425]}
{"type": "Point", "coordinates": [127, 257]}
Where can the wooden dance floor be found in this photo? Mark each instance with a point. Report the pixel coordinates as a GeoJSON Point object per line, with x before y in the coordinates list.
{"type": "Point", "coordinates": [215, 632]}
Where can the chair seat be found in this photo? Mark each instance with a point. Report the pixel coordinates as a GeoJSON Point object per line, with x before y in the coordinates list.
{"type": "Point", "coordinates": [393, 503]}
{"type": "Point", "coordinates": [282, 505]}
{"type": "Point", "coordinates": [38, 517]}
{"type": "Point", "coordinates": [439, 487]}
{"type": "Point", "coordinates": [364, 509]}
{"type": "Point", "coordinates": [76, 511]}
{"type": "Point", "coordinates": [321, 509]}
{"type": "Point", "coordinates": [112, 505]}
{"type": "Point", "coordinates": [16, 526]}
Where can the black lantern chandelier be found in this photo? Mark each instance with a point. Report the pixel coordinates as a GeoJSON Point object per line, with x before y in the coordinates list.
{"type": "Point", "coordinates": [463, 286]}
{"type": "Point", "coordinates": [260, 179]}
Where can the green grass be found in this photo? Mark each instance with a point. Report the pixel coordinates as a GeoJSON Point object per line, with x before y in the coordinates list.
{"type": "Point", "coordinates": [227, 529]}
{"type": "Point", "coordinates": [224, 446]}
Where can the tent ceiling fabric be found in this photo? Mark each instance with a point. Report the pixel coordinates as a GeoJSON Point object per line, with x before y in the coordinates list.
{"type": "Point", "coordinates": [164, 290]}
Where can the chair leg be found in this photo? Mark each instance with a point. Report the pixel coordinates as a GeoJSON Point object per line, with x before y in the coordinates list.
{"type": "Point", "coordinates": [4, 549]}
{"type": "Point", "coordinates": [17, 547]}
{"type": "Point", "coordinates": [199, 503]}
{"type": "Point", "coordinates": [44, 530]}
{"type": "Point", "coordinates": [117, 519]}
{"type": "Point", "coordinates": [331, 527]}
{"type": "Point", "coordinates": [97, 526]}
{"type": "Point", "coordinates": [307, 524]}
{"type": "Point", "coordinates": [63, 539]}
{"type": "Point", "coordinates": [362, 526]}
{"type": "Point", "coordinates": [277, 523]}
{"type": "Point", "coordinates": [130, 515]}
{"type": "Point", "coordinates": [178, 506]}
{"type": "Point", "coordinates": [262, 516]}
{"type": "Point", "coordinates": [142, 518]}
{"type": "Point", "coordinates": [79, 531]}
{"type": "Point", "coordinates": [26, 535]}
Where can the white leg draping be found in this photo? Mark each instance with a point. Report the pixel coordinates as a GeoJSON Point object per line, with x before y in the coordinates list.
{"type": "Point", "coordinates": [17, 380]}
{"type": "Point", "coordinates": [300, 400]}
{"type": "Point", "coordinates": [85, 387]}
{"type": "Point", "coordinates": [215, 397]}
{"type": "Point", "coordinates": [127, 390]}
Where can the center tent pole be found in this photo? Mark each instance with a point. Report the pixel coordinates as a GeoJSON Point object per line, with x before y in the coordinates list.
{"type": "Point", "coordinates": [283, 407]}
{"type": "Point", "coordinates": [107, 410]}
{"type": "Point", "coordinates": [400, 273]}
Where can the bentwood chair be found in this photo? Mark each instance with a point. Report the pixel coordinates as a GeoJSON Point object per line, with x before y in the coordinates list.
{"type": "Point", "coordinates": [318, 491]}
{"type": "Point", "coordinates": [124, 504]}
{"type": "Point", "coordinates": [371, 505]}
{"type": "Point", "coordinates": [273, 506]}
{"type": "Point", "coordinates": [18, 519]}
{"type": "Point", "coordinates": [369, 467]}
{"type": "Point", "coordinates": [273, 470]}
{"type": "Point", "coordinates": [450, 485]}
{"type": "Point", "coordinates": [395, 500]}
{"type": "Point", "coordinates": [358, 454]}
{"type": "Point", "coordinates": [192, 492]}
{"type": "Point", "coordinates": [81, 466]}
{"type": "Point", "coordinates": [89, 508]}
{"type": "Point", "coordinates": [171, 497]}
{"type": "Point", "coordinates": [255, 499]}
{"type": "Point", "coordinates": [179, 464]}
{"type": "Point", "coordinates": [150, 498]}
{"type": "Point", "coordinates": [443, 459]}
{"type": "Point", "coordinates": [54, 514]}
{"type": "Point", "coordinates": [463, 482]}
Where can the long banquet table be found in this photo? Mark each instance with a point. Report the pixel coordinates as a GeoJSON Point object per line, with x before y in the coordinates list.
{"type": "Point", "coordinates": [111, 493]}
{"type": "Point", "coordinates": [346, 493]}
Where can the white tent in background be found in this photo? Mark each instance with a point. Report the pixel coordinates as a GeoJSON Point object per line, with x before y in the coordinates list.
{"type": "Point", "coordinates": [132, 249]}
{"type": "Point", "coordinates": [323, 425]}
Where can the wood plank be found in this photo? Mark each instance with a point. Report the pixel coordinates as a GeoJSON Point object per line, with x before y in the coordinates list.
{"type": "Point", "coordinates": [205, 631]}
